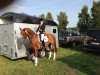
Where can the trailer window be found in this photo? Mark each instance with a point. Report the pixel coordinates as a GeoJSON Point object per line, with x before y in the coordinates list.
{"type": "Point", "coordinates": [54, 30]}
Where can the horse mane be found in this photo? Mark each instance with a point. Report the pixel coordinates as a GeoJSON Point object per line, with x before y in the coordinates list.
{"type": "Point", "coordinates": [31, 32]}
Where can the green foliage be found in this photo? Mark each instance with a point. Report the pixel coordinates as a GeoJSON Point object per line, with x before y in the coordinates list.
{"type": "Point", "coordinates": [62, 21]}
{"type": "Point", "coordinates": [34, 15]}
{"type": "Point", "coordinates": [84, 22]}
{"type": "Point", "coordinates": [95, 10]}
{"type": "Point", "coordinates": [49, 16]}
{"type": "Point", "coordinates": [73, 28]}
{"type": "Point", "coordinates": [42, 16]}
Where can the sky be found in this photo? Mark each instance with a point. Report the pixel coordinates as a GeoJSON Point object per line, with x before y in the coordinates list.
{"type": "Point", "coordinates": [37, 7]}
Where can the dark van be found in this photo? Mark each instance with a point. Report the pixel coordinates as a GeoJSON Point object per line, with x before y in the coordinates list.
{"type": "Point", "coordinates": [70, 37]}
{"type": "Point", "coordinates": [92, 40]}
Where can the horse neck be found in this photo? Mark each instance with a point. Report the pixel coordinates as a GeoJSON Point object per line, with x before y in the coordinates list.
{"type": "Point", "coordinates": [31, 34]}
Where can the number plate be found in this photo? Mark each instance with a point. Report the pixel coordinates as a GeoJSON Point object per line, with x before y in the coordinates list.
{"type": "Point", "coordinates": [95, 43]}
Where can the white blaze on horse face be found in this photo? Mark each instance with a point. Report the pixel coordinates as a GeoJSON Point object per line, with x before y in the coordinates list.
{"type": "Point", "coordinates": [49, 55]}
{"type": "Point", "coordinates": [54, 56]}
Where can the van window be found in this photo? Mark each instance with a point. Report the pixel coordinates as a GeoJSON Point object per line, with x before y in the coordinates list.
{"type": "Point", "coordinates": [63, 33]}
{"type": "Point", "coordinates": [97, 34]}
{"type": "Point", "coordinates": [74, 34]}
{"type": "Point", "coordinates": [78, 34]}
{"type": "Point", "coordinates": [94, 33]}
{"type": "Point", "coordinates": [54, 30]}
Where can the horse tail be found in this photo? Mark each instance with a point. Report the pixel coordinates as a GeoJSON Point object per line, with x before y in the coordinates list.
{"type": "Point", "coordinates": [52, 44]}
{"type": "Point", "coordinates": [55, 48]}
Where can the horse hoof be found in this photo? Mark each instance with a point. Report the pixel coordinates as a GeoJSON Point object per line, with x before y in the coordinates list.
{"type": "Point", "coordinates": [35, 64]}
{"type": "Point", "coordinates": [48, 58]}
{"type": "Point", "coordinates": [53, 59]}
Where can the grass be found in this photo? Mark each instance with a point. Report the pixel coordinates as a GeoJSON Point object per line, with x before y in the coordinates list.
{"type": "Point", "coordinates": [69, 61]}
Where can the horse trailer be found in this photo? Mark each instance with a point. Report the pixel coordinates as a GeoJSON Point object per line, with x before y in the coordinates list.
{"type": "Point", "coordinates": [11, 44]}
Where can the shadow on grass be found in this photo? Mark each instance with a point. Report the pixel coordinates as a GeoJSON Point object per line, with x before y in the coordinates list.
{"type": "Point", "coordinates": [87, 64]}
{"type": "Point", "coordinates": [80, 48]}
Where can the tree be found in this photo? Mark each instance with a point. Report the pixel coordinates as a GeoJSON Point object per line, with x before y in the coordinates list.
{"type": "Point", "coordinates": [73, 28]}
{"type": "Point", "coordinates": [62, 21]}
{"type": "Point", "coordinates": [34, 15]}
{"type": "Point", "coordinates": [49, 16]}
{"type": "Point", "coordinates": [84, 22]}
{"type": "Point", "coordinates": [42, 16]}
{"type": "Point", "coordinates": [95, 11]}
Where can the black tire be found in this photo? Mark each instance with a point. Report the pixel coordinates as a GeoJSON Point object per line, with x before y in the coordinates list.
{"type": "Point", "coordinates": [60, 45]}
{"type": "Point", "coordinates": [73, 44]}
{"type": "Point", "coordinates": [42, 53]}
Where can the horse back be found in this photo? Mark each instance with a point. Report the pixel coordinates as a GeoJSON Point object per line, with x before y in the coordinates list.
{"type": "Point", "coordinates": [52, 41]}
{"type": "Point", "coordinates": [51, 38]}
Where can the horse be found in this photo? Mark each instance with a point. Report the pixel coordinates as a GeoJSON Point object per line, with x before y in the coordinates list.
{"type": "Point", "coordinates": [35, 42]}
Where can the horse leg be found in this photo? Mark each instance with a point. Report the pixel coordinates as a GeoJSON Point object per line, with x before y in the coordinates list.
{"type": "Point", "coordinates": [50, 55]}
{"type": "Point", "coordinates": [35, 58]}
{"type": "Point", "coordinates": [54, 55]}
{"type": "Point", "coordinates": [54, 52]}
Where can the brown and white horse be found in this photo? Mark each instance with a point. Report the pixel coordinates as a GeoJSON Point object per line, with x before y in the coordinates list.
{"type": "Point", "coordinates": [35, 43]}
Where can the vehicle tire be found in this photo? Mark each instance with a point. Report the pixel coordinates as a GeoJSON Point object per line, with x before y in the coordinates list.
{"type": "Point", "coordinates": [42, 53]}
{"type": "Point", "coordinates": [60, 45]}
{"type": "Point", "coordinates": [73, 44]}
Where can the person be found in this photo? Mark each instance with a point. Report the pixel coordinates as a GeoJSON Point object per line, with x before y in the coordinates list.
{"type": "Point", "coordinates": [41, 30]}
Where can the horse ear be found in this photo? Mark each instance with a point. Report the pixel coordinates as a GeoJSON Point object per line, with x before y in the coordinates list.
{"type": "Point", "coordinates": [26, 32]}
{"type": "Point", "coordinates": [20, 28]}
{"type": "Point", "coordinates": [23, 29]}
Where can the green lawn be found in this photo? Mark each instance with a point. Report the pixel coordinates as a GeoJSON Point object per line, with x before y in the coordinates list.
{"type": "Point", "coordinates": [69, 61]}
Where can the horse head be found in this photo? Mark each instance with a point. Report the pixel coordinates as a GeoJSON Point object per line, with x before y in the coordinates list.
{"type": "Point", "coordinates": [23, 34]}
{"type": "Point", "coordinates": [27, 32]}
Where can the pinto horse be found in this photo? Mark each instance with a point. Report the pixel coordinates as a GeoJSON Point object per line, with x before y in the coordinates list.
{"type": "Point", "coordinates": [35, 42]}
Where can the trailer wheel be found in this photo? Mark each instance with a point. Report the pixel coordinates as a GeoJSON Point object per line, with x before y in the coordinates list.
{"type": "Point", "coordinates": [42, 53]}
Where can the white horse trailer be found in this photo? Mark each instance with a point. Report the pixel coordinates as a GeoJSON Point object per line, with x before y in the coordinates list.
{"type": "Point", "coordinates": [11, 44]}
